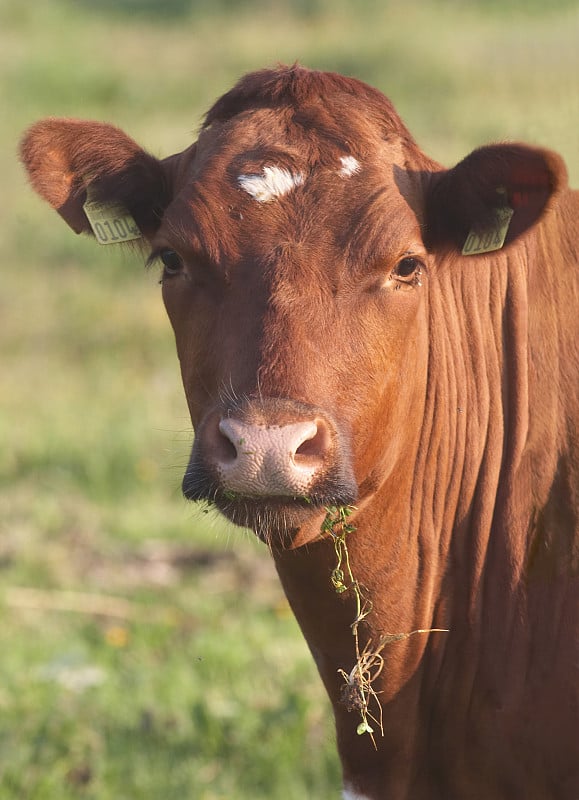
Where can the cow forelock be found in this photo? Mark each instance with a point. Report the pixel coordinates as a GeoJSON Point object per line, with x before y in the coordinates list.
{"type": "Point", "coordinates": [322, 146]}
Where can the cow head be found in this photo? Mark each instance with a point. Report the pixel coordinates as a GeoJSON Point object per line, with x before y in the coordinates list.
{"type": "Point", "coordinates": [298, 240]}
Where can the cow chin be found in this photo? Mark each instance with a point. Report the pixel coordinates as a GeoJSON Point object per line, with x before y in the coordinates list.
{"type": "Point", "coordinates": [279, 521]}
{"type": "Point", "coordinates": [275, 520]}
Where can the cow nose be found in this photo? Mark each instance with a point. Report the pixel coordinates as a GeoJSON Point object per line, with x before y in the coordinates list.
{"type": "Point", "coordinates": [270, 460]}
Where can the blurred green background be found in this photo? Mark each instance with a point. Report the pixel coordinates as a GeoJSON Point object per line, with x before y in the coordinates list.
{"type": "Point", "coordinates": [146, 649]}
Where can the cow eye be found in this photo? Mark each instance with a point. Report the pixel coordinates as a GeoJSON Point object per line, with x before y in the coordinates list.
{"type": "Point", "coordinates": [172, 263]}
{"type": "Point", "coordinates": [407, 267]}
{"type": "Point", "coordinates": [408, 272]}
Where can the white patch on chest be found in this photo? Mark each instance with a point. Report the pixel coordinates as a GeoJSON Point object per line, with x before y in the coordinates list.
{"type": "Point", "coordinates": [348, 794]}
{"type": "Point", "coordinates": [271, 183]}
{"type": "Point", "coordinates": [350, 166]}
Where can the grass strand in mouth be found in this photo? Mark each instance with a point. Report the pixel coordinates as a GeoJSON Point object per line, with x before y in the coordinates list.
{"type": "Point", "coordinates": [358, 693]}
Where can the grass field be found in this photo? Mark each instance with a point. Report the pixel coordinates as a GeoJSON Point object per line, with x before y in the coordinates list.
{"type": "Point", "coordinates": [147, 650]}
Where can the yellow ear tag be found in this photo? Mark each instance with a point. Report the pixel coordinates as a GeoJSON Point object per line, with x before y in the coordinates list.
{"type": "Point", "coordinates": [494, 238]}
{"type": "Point", "coordinates": [111, 222]}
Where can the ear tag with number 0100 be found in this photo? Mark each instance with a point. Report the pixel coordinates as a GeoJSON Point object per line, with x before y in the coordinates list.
{"type": "Point", "coordinates": [493, 238]}
{"type": "Point", "coordinates": [111, 222]}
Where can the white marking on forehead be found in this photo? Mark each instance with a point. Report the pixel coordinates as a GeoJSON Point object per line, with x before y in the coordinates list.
{"type": "Point", "coordinates": [348, 794]}
{"type": "Point", "coordinates": [350, 166]}
{"type": "Point", "coordinates": [271, 183]}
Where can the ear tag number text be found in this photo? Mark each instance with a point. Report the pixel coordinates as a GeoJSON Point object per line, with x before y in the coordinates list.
{"type": "Point", "coordinates": [493, 239]}
{"type": "Point", "coordinates": [111, 222]}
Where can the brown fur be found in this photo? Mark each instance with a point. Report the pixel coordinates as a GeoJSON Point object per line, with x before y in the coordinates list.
{"type": "Point", "coordinates": [453, 399]}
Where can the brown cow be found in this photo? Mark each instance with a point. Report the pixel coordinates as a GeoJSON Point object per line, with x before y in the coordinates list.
{"type": "Point", "coordinates": [343, 340]}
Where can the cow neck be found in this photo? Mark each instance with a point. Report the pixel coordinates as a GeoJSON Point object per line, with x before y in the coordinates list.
{"type": "Point", "coordinates": [402, 545]}
{"type": "Point", "coordinates": [423, 549]}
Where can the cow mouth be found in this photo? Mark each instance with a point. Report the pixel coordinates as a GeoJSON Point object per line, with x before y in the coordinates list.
{"type": "Point", "coordinates": [276, 520]}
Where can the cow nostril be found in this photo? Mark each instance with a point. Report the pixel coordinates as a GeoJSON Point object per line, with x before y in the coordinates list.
{"type": "Point", "coordinates": [316, 447]}
{"type": "Point", "coordinates": [225, 449]}
{"type": "Point", "coordinates": [228, 450]}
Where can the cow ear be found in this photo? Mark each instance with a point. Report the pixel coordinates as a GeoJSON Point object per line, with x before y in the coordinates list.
{"type": "Point", "coordinates": [64, 157]}
{"type": "Point", "coordinates": [468, 198]}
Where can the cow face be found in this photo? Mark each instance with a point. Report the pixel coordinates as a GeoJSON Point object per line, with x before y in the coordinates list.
{"type": "Point", "coordinates": [292, 239]}
{"type": "Point", "coordinates": [297, 299]}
